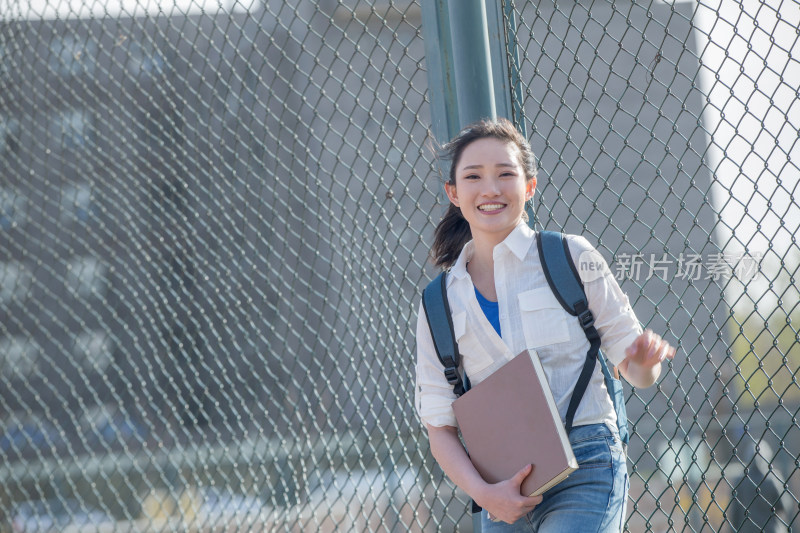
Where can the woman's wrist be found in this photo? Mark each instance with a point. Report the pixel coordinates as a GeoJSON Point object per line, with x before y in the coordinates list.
{"type": "Point", "coordinates": [481, 493]}
{"type": "Point", "coordinates": [641, 377]}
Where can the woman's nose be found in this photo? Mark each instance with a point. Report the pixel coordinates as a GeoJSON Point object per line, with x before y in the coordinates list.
{"type": "Point", "coordinates": [490, 187]}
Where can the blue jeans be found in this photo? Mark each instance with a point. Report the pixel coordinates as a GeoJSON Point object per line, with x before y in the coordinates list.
{"type": "Point", "coordinates": [592, 499]}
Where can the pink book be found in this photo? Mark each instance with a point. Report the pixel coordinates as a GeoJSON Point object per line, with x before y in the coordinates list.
{"type": "Point", "coordinates": [510, 420]}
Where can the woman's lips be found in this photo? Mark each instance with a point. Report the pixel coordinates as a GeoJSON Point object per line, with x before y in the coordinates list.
{"type": "Point", "coordinates": [490, 207]}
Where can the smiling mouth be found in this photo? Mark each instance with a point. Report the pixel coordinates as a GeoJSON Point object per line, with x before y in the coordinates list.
{"type": "Point", "coordinates": [490, 207]}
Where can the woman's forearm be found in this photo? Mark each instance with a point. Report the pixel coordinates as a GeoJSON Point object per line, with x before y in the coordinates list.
{"type": "Point", "coordinates": [503, 500]}
{"type": "Point", "coordinates": [454, 461]}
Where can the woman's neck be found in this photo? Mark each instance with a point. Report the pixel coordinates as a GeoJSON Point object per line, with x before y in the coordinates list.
{"type": "Point", "coordinates": [483, 246]}
{"type": "Point", "coordinates": [481, 262]}
{"type": "Point", "coordinates": [481, 268]}
{"type": "Point", "coordinates": [483, 252]}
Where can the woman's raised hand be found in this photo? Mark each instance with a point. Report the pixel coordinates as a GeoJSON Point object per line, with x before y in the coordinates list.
{"type": "Point", "coordinates": [642, 364]}
{"type": "Point", "coordinates": [649, 349]}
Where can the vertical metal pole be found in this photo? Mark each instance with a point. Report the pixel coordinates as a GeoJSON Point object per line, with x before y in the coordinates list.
{"type": "Point", "coordinates": [472, 60]}
{"type": "Point", "coordinates": [466, 58]}
{"type": "Point", "coordinates": [500, 46]}
{"type": "Point", "coordinates": [441, 71]}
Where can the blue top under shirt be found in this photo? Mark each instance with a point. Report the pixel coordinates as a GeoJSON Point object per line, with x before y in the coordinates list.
{"type": "Point", "coordinates": [491, 310]}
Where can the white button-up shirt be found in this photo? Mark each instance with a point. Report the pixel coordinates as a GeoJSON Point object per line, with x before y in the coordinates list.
{"type": "Point", "coordinates": [530, 317]}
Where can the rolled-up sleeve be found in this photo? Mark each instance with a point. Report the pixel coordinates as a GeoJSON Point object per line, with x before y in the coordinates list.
{"type": "Point", "coordinates": [433, 396]}
{"type": "Point", "coordinates": [613, 315]}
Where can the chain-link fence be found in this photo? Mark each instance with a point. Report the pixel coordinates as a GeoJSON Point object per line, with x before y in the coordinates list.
{"type": "Point", "coordinates": [214, 225]}
{"type": "Point", "coordinates": [668, 132]}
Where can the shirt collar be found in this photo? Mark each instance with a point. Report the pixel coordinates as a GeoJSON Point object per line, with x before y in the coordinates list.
{"type": "Point", "coordinates": [518, 242]}
{"type": "Point", "coordinates": [459, 268]}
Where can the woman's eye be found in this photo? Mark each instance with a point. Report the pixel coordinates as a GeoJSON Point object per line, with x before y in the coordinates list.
{"type": "Point", "coordinates": [471, 177]}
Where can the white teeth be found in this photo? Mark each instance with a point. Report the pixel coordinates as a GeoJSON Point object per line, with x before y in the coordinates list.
{"type": "Point", "coordinates": [490, 207]}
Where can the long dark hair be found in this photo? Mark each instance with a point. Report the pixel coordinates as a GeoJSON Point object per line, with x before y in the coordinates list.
{"type": "Point", "coordinates": [453, 231]}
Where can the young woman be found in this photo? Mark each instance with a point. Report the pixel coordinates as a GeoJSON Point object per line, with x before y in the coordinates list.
{"type": "Point", "coordinates": [501, 304]}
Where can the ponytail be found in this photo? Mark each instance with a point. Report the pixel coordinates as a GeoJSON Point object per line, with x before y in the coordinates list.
{"type": "Point", "coordinates": [450, 236]}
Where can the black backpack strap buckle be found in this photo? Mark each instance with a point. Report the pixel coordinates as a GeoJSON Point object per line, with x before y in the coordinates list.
{"type": "Point", "coordinates": [451, 373]}
{"type": "Point", "coordinates": [586, 319]}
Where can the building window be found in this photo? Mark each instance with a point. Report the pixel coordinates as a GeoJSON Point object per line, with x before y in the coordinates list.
{"type": "Point", "coordinates": [9, 134]}
{"type": "Point", "coordinates": [71, 56]}
{"type": "Point", "coordinates": [93, 350]}
{"type": "Point", "coordinates": [13, 208]}
{"type": "Point", "coordinates": [86, 276]}
{"type": "Point", "coordinates": [145, 59]}
{"type": "Point", "coordinates": [19, 356]}
{"type": "Point", "coordinates": [15, 282]}
{"type": "Point", "coordinates": [4, 61]}
{"type": "Point", "coordinates": [73, 128]}
{"type": "Point", "coordinates": [77, 203]}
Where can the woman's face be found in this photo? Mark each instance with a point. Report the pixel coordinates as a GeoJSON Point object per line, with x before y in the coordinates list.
{"type": "Point", "coordinates": [490, 188]}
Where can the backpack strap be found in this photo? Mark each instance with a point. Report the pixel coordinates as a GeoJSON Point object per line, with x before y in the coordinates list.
{"type": "Point", "coordinates": [565, 282]}
{"type": "Point", "coordinates": [440, 322]}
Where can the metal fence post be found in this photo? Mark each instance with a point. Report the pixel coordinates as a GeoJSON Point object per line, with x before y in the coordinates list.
{"type": "Point", "coordinates": [501, 28]}
{"type": "Point", "coordinates": [472, 60]}
{"type": "Point", "coordinates": [440, 68]}
{"type": "Point", "coordinates": [465, 47]}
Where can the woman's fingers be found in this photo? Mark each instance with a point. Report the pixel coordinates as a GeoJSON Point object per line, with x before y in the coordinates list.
{"type": "Point", "coordinates": [513, 505]}
{"type": "Point", "coordinates": [650, 348]}
{"type": "Point", "coordinates": [520, 476]}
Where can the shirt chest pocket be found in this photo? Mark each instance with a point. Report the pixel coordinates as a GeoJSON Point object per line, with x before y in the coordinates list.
{"type": "Point", "coordinates": [544, 321]}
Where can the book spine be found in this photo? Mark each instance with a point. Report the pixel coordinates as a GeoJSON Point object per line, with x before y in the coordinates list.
{"type": "Point", "coordinates": [551, 404]}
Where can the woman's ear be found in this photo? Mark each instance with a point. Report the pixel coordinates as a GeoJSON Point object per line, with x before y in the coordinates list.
{"type": "Point", "coordinates": [530, 188]}
{"type": "Point", "coordinates": [450, 189]}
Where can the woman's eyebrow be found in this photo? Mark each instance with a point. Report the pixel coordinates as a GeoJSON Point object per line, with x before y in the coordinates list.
{"type": "Point", "coordinates": [471, 167]}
